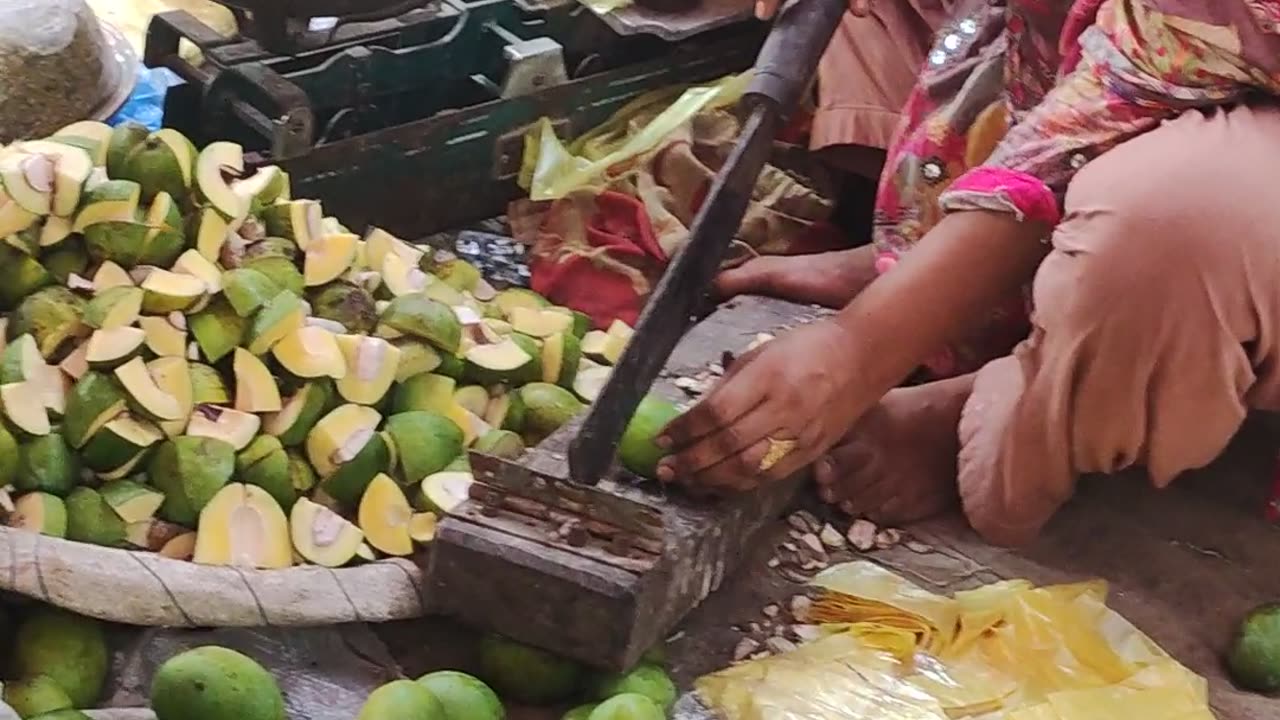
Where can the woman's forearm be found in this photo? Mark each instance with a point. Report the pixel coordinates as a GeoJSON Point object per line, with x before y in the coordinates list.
{"type": "Point", "coordinates": [964, 267]}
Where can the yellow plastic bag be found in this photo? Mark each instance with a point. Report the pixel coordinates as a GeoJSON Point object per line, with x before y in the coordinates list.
{"type": "Point", "coordinates": [1008, 651]}
{"type": "Point", "coordinates": [833, 677]}
{"type": "Point", "coordinates": [551, 170]}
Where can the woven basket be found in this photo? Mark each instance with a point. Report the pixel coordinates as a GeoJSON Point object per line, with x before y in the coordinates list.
{"type": "Point", "coordinates": [142, 588]}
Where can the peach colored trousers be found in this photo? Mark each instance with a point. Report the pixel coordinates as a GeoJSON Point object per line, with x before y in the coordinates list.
{"type": "Point", "coordinates": [869, 70]}
{"type": "Point", "coordinates": [1156, 324]}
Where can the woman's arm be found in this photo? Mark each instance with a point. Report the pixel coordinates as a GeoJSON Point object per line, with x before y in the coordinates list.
{"type": "Point", "coordinates": [939, 292]}
{"type": "Point", "coordinates": [813, 383]}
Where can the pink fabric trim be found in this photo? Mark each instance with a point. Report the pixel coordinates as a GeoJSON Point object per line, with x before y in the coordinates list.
{"type": "Point", "coordinates": [1081, 16]}
{"type": "Point", "coordinates": [884, 261]}
{"type": "Point", "coordinates": [1025, 193]}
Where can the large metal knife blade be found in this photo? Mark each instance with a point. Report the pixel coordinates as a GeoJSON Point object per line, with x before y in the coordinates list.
{"type": "Point", "coordinates": [783, 71]}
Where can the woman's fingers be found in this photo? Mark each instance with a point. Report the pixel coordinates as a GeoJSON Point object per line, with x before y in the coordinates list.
{"type": "Point", "coordinates": [860, 8]}
{"type": "Point", "coordinates": [840, 470]}
{"type": "Point", "coordinates": [766, 9]}
{"type": "Point", "coordinates": [732, 439]}
{"type": "Point", "coordinates": [734, 473]}
{"type": "Point", "coordinates": [758, 276]}
{"type": "Point", "coordinates": [767, 460]}
{"type": "Point", "coordinates": [718, 410]}
{"type": "Point", "coordinates": [737, 394]}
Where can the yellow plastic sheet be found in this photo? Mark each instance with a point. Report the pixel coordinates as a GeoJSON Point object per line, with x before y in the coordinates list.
{"type": "Point", "coordinates": [1008, 651]}
{"type": "Point", "coordinates": [551, 169]}
{"type": "Point", "coordinates": [871, 595]}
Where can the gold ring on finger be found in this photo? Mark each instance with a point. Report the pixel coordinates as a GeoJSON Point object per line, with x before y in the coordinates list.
{"type": "Point", "coordinates": [777, 450]}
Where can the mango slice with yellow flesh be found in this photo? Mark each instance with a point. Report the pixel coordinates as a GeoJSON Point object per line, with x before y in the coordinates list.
{"type": "Point", "coordinates": [371, 368]}
{"type": "Point", "coordinates": [401, 277]}
{"type": "Point", "coordinates": [114, 307]}
{"type": "Point", "coordinates": [180, 547]}
{"type": "Point", "coordinates": [51, 387]}
{"type": "Point", "coordinates": [256, 389]}
{"type": "Point", "coordinates": [146, 394]}
{"type": "Point", "coordinates": [165, 292]}
{"type": "Point", "coordinates": [379, 244]}
{"type": "Point", "coordinates": [385, 516]}
{"type": "Point", "coordinates": [210, 230]}
{"type": "Point", "coordinates": [232, 426]}
{"type": "Point", "coordinates": [422, 527]}
{"type": "Point", "coordinates": [110, 275]}
{"type": "Point", "coordinates": [299, 413]}
{"type": "Point", "coordinates": [108, 348]}
{"type": "Point", "coordinates": [280, 316]}
{"type": "Point", "coordinates": [298, 220]}
{"type": "Point", "coordinates": [322, 536]}
{"type": "Point", "coordinates": [193, 263]}
{"type": "Point", "coordinates": [444, 491]}
{"type": "Point", "coordinates": [311, 352]}
{"type": "Point", "coordinates": [29, 417]}
{"type": "Point", "coordinates": [243, 526]}
{"type": "Point", "coordinates": [326, 258]}
{"type": "Point", "coordinates": [338, 437]}
{"type": "Point", "coordinates": [213, 164]}
{"type": "Point", "coordinates": [173, 375]}
{"type": "Point", "coordinates": [152, 533]}
{"type": "Point", "coordinates": [163, 338]}
{"type": "Point", "coordinates": [540, 323]}
{"type": "Point", "coordinates": [472, 425]}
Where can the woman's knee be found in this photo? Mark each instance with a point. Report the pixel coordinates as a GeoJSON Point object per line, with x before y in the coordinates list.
{"type": "Point", "coordinates": [1160, 215]}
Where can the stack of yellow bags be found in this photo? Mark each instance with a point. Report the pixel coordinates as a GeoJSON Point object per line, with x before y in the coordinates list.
{"type": "Point", "coordinates": [1009, 651]}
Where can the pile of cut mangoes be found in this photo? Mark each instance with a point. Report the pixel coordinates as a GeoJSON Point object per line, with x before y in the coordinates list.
{"type": "Point", "coordinates": [198, 364]}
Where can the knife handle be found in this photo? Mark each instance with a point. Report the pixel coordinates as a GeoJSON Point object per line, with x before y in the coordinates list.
{"type": "Point", "coordinates": [790, 54]}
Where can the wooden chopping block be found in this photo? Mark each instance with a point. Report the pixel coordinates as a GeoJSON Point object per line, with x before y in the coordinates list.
{"type": "Point", "coordinates": [528, 578]}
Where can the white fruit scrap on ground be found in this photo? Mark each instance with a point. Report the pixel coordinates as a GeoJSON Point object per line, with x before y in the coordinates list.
{"type": "Point", "coordinates": [196, 363]}
{"type": "Point", "coordinates": [810, 543]}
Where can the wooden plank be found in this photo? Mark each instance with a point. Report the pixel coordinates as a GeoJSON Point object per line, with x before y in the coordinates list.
{"type": "Point", "coordinates": [493, 574]}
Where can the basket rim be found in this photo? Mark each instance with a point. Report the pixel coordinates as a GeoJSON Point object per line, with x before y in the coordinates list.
{"type": "Point", "coordinates": [137, 587]}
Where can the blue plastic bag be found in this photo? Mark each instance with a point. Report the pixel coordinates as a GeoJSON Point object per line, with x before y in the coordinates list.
{"type": "Point", "coordinates": [146, 103]}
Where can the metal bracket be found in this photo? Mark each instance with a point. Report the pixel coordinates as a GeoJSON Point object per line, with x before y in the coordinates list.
{"type": "Point", "coordinates": [533, 65]}
{"type": "Point", "coordinates": [264, 99]}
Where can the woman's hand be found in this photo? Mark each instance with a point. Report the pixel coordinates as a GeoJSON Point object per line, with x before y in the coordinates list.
{"type": "Point", "coordinates": [785, 404]}
{"type": "Point", "coordinates": [766, 9]}
{"type": "Point", "coordinates": [778, 409]}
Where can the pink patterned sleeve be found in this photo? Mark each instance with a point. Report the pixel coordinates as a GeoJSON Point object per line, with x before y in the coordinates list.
{"type": "Point", "coordinates": [1126, 69]}
{"type": "Point", "coordinates": [1027, 174]}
